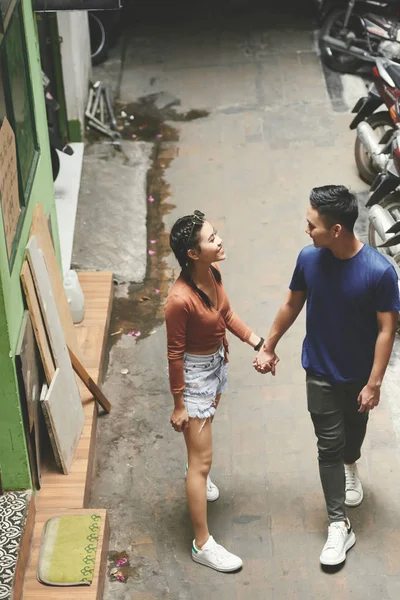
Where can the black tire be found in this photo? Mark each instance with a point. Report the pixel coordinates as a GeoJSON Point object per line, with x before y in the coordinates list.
{"type": "Point", "coordinates": [335, 59]}
{"type": "Point", "coordinates": [55, 162]}
{"type": "Point", "coordinates": [392, 204]}
{"type": "Point", "coordinates": [98, 39]}
{"type": "Point", "coordinates": [365, 168]}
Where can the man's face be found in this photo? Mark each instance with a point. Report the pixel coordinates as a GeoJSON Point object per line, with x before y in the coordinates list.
{"type": "Point", "coordinates": [321, 235]}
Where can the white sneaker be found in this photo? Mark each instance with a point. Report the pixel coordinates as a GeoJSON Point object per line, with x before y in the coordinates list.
{"type": "Point", "coordinates": [212, 490]}
{"type": "Point", "coordinates": [215, 556]}
{"type": "Point", "coordinates": [341, 538]}
{"type": "Point", "coordinates": [354, 490]}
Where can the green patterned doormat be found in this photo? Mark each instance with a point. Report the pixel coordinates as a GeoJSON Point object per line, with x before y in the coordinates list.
{"type": "Point", "coordinates": [68, 550]}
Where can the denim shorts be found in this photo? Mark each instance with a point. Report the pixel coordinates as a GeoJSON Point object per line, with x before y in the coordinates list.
{"type": "Point", "coordinates": [206, 376]}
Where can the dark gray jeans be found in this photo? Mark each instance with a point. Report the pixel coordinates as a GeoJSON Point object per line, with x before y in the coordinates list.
{"type": "Point", "coordinates": [340, 430]}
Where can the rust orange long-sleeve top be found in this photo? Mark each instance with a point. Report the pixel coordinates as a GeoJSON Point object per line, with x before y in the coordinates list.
{"type": "Point", "coordinates": [194, 328]}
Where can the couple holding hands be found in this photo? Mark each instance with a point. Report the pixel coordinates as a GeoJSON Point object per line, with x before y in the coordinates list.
{"type": "Point", "coordinates": [352, 301]}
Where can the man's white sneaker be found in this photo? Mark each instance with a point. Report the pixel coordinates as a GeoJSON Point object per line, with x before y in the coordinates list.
{"type": "Point", "coordinates": [341, 538]}
{"type": "Point", "coordinates": [212, 490]}
{"type": "Point", "coordinates": [354, 490]}
{"type": "Point", "coordinates": [215, 556]}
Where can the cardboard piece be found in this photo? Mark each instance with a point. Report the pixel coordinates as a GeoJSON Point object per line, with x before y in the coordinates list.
{"type": "Point", "coordinates": [64, 419]}
{"type": "Point", "coordinates": [9, 183]}
{"type": "Point", "coordinates": [40, 229]}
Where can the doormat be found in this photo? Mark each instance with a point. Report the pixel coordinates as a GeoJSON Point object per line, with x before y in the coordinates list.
{"type": "Point", "coordinates": [68, 550]}
{"type": "Point", "coordinates": [13, 513]}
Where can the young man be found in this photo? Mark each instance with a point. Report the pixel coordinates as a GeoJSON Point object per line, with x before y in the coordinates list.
{"type": "Point", "coordinates": [352, 299]}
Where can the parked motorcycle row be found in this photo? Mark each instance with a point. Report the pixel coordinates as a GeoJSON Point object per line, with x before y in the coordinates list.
{"type": "Point", "coordinates": [366, 33]}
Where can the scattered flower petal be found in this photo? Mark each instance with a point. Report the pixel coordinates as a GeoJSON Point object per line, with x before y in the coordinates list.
{"type": "Point", "coordinates": [150, 199]}
{"type": "Point", "coordinates": [123, 114]}
{"type": "Point", "coordinates": [156, 291]}
{"type": "Point", "coordinates": [159, 136]}
{"type": "Point", "coordinates": [121, 561]}
{"type": "Point", "coordinates": [153, 241]}
{"type": "Point", "coordinates": [153, 332]}
{"type": "Point", "coordinates": [124, 371]}
{"type": "Point", "coordinates": [136, 333]}
{"type": "Point", "coordinates": [134, 136]}
{"type": "Point", "coordinates": [151, 252]}
{"type": "Point", "coordinates": [131, 117]}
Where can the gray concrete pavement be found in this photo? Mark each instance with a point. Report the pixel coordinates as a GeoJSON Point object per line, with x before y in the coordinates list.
{"type": "Point", "coordinates": [271, 135]}
{"type": "Point", "coordinates": [110, 232]}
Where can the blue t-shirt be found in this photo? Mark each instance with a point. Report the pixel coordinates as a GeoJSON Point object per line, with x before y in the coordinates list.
{"type": "Point", "coordinates": [343, 297]}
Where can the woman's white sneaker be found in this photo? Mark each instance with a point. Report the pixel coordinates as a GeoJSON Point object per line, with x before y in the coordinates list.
{"type": "Point", "coordinates": [215, 556]}
{"type": "Point", "coordinates": [212, 490]}
{"type": "Point", "coordinates": [341, 538]}
{"type": "Point", "coordinates": [354, 490]}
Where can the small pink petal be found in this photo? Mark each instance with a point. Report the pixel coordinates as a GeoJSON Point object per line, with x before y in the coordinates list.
{"type": "Point", "coordinates": [159, 136]}
{"type": "Point", "coordinates": [153, 241]}
{"type": "Point", "coordinates": [121, 561]}
{"type": "Point", "coordinates": [156, 291]}
{"type": "Point", "coordinates": [134, 136]}
{"type": "Point", "coordinates": [120, 578]}
{"type": "Point", "coordinates": [136, 333]}
{"type": "Point", "coordinates": [151, 252]}
{"type": "Point", "coordinates": [150, 199]}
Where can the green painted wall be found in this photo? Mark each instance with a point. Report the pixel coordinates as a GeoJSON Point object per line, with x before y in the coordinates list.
{"type": "Point", "coordinates": [13, 456]}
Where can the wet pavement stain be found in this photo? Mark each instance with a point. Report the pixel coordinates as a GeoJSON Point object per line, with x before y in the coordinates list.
{"type": "Point", "coordinates": [140, 311]}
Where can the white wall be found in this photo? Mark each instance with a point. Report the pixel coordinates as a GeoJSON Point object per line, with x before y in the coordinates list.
{"type": "Point", "coordinates": [73, 28]}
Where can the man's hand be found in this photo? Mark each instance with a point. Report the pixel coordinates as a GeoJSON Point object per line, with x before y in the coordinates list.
{"type": "Point", "coordinates": [368, 398]}
{"type": "Point", "coordinates": [266, 361]}
{"type": "Point", "coordinates": [179, 419]}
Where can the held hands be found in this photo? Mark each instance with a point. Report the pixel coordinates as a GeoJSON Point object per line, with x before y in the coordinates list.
{"type": "Point", "coordinates": [266, 361]}
{"type": "Point", "coordinates": [179, 419]}
{"type": "Point", "coordinates": [368, 398]}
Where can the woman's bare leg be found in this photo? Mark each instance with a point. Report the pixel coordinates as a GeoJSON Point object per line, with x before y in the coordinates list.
{"type": "Point", "coordinates": [199, 449]}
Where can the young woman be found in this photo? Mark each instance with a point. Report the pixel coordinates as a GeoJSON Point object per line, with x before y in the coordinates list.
{"type": "Point", "coordinates": [197, 316]}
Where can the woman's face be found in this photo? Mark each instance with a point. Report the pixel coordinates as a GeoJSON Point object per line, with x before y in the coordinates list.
{"type": "Point", "coordinates": [210, 246]}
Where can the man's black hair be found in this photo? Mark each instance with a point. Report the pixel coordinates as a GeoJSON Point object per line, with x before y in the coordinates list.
{"type": "Point", "coordinates": [335, 204]}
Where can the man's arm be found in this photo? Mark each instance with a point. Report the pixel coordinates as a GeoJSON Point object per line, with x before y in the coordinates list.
{"type": "Point", "coordinates": [370, 394]}
{"type": "Point", "coordinates": [266, 359]}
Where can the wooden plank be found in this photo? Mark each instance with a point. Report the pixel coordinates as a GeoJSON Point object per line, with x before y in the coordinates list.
{"type": "Point", "coordinates": [28, 364]}
{"type": "Point", "coordinates": [40, 230]}
{"type": "Point", "coordinates": [37, 322]}
{"type": "Point", "coordinates": [64, 417]}
{"type": "Point", "coordinates": [89, 383]}
{"type": "Point", "coordinates": [34, 590]}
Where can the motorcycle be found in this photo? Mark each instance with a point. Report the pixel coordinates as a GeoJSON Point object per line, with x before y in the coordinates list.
{"type": "Point", "coordinates": [375, 129]}
{"type": "Point", "coordinates": [356, 32]}
{"type": "Point", "coordinates": [384, 203]}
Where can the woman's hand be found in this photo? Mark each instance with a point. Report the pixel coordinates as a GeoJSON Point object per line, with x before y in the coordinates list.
{"type": "Point", "coordinates": [179, 419]}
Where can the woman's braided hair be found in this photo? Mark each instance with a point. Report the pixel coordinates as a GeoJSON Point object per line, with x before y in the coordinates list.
{"type": "Point", "coordinates": [185, 235]}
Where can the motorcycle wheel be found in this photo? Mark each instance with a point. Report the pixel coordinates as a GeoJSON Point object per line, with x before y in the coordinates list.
{"type": "Point", "coordinates": [98, 39]}
{"type": "Point", "coordinates": [335, 59]}
{"type": "Point", "coordinates": [380, 122]}
{"type": "Point", "coordinates": [392, 204]}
